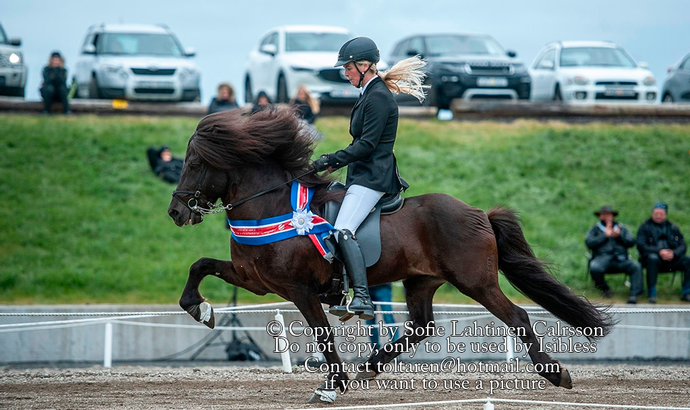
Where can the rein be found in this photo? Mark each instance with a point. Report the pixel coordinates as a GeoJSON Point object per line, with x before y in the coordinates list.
{"type": "Point", "coordinates": [193, 203]}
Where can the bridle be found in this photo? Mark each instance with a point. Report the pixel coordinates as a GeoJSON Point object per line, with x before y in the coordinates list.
{"type": "Point", "coordinates": [211, 208]}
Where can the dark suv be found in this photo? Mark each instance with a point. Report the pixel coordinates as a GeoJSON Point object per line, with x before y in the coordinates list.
{"type": "Point", "coordinates": [466, 66]}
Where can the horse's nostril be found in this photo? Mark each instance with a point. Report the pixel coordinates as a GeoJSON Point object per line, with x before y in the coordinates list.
{"type": "Point", "coordinates": [173, 213]}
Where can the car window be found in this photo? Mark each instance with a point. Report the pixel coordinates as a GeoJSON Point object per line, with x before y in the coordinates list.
{"type": "Point", "coordinates": [88, 40]}
{"type": "Point", "coordinates": [453, 45]}
{"type": "Point", "coordinates": [270, 39]}
{"type": "Point", "coordinates": [398, 50]}
{"type": "Point", "coordinates": [596, 57]}
{"type": "Point", "coordinates": [416, 45]}
{"type": "Point", "coordinates": [138, 44]}
{"type": "Point", "coordinates": [686, 65]}
{"type": "Point", "coordinates": [550, 55]}
{"type": "Point", "coordinates": [315, 41]}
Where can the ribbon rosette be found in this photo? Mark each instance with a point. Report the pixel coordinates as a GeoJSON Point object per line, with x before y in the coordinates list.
{"type": "Point", "coordinates": [302, 221]}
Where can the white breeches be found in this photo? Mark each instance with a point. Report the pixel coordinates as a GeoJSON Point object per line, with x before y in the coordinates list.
{"type": "Point", "coordinates": [358, 203]}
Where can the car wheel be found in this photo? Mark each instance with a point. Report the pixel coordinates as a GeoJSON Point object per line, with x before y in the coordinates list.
{"type": "Point", "coordinates": [248, 97]}
{"type": "Point", "coordinates": [668, 99]}
{"type": "Point", "coordinates": [282, 90]}
{"type": "Point", "coordinates": [94, 91]}
{"type": "Point", "coordinates": [557, 96]}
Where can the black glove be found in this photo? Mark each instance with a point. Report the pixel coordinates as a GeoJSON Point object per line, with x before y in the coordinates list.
{"type": "Point", "coordinates": [322, 163]}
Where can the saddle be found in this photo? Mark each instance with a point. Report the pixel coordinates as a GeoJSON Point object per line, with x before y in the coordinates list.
{"type": "Point", "coordinates": [369, 232]}
{"type": "Point", "coordinates": [368, 237]}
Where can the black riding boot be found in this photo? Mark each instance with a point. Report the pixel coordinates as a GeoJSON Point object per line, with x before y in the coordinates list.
{"type": "Point", "coordinates": [356, 268]}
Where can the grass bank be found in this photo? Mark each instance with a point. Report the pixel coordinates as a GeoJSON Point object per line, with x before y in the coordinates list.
{"type": "Point", "coordinates": [84, 221]}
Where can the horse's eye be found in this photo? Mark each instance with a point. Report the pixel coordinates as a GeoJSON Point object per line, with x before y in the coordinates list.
{"type": "Point", "coordinates": [194, 165]}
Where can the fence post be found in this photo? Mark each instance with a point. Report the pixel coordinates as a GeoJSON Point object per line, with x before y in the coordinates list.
{"type": "Point", "coordinates": [510, 350]}
{"type": "Point", "coordinates": [108, 350]}
{"type": "Point", "coordinates": [284, 356]}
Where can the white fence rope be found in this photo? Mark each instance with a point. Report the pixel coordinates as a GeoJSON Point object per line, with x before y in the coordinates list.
{"type": "Point", "coordinates": [488, 402]}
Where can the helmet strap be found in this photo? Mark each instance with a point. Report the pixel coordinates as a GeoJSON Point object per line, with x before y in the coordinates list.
{"type": "Point", "coordinates": [361, 75]}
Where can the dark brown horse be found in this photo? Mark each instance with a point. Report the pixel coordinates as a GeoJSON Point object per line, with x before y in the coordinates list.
{"type": "Point", "coordinates": [432, 240]}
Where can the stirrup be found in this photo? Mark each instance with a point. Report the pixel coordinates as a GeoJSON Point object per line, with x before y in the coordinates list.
{"type": "Point", "coordinates": [343, 310]}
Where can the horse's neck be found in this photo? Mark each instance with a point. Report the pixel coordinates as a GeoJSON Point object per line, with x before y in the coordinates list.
{"type": "Point", "coordinates": [274, 203]}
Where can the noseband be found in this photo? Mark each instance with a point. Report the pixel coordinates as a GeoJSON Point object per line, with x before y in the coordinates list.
{"type": "Point", "coordinates": [193, 202]}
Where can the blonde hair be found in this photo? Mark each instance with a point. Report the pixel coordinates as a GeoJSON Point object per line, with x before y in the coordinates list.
{"type": "Point", "coordinates": [314, 103]}
{"type": "Point", "coordinates": [406, 76]}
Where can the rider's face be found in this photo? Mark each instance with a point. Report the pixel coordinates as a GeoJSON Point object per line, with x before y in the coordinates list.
{"type": "Point", "coordinates": [352, 74]}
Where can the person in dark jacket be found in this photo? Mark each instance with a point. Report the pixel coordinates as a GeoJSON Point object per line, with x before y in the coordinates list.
{"type": "Point", "coordinates": [609, 242]}
{"type": "Point", "coordinates": [372, 171]}
{"type": "Point", "coordinates": [55, 83]}
{"type": "Point", "coordinates": [662, 249]}
{"type": "Point", "coordinates": [163, 164]}
{"type": "Point", "coordinates": [224, 101]}
{"type": "Point", "coordinates": [262, 102]}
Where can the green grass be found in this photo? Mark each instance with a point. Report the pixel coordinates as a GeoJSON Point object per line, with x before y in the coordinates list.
{"type": "Point", "coordinates": [83, 219]}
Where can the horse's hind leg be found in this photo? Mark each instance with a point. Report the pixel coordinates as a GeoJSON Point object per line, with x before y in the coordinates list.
{"type": "Point", "coordinates": [491, 297]}
{"type": "Point", "coordinates": [191, 300]}
{"type": "Point", "coordinates": [419, 293]}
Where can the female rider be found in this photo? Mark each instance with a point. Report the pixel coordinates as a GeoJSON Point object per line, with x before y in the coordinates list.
{"type": "Point", "coordinates": [372, 170]}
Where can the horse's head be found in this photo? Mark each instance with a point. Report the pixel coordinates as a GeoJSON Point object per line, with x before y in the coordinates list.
{"type": "Point", "coordinates": [200, 187]}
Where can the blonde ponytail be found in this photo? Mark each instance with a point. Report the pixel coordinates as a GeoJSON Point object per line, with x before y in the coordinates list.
{"type": "Point", "coordinates": [407, 76]}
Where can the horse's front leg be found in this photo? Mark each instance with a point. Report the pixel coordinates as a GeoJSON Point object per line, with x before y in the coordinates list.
{"type": "Point", "coordinates": [312, 310]}
{"type": "Point", "coordinates": [191, 300]}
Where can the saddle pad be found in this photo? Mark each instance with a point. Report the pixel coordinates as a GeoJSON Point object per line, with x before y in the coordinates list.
{"type": "Point", "coordinates": [368, 234]}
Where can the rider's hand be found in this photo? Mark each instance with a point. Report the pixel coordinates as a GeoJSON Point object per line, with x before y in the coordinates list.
{"type": "Point", "coordinates": [321, 164]}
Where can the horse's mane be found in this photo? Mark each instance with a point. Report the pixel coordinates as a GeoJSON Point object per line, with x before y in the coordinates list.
{"type": "Point", "coordinates": [231, 139]}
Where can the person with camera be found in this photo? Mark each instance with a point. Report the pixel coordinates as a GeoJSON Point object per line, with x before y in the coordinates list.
{"type": "Point", "coordinates": [609, 242]}
{"type": "Point", "coordinates": [54, 85]}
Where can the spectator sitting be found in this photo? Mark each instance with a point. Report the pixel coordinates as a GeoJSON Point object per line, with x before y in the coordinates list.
{"type": "Point", "coordinates": [609, 242]}
{"type": "Point", "coordinates": [54, 85]}
{"type": "Point", "coordinates": [662, 249]}
{"type": "Point", "coordinates": [164, 164]}
{"type": "Point", "coordinates": [225, 100]}
{"type": "Point", "coordinates": [262, 102]}
{"type": "Point", "coordinates": [307, 107]}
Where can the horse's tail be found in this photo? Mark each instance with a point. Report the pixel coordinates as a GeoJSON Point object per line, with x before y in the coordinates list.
{"type": "Point", "coordinates": [529, 275]}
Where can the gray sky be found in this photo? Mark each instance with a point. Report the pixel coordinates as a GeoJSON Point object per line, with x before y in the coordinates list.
{"type": "Point", "coordinates": [224, 32]}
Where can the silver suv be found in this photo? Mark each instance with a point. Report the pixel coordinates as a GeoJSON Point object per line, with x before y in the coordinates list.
{"type": "Point", "coordinates": [136, 62]}
{"type": "Point", "coordinates": [12, 67]}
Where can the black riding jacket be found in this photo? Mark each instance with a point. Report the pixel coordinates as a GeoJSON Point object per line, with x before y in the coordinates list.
{"type": "Point", "coordinates": [373, 126]}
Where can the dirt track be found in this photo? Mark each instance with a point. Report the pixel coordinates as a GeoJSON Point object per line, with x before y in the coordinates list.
{"type": "Point", "coordinates": [238, 387]}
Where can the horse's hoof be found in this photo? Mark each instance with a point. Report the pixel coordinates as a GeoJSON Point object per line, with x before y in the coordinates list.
{"type": "Point", "coordinates": [566, 381]}
{"type": "Point", "coordinates": [366, 375]}
{"type": "Point", "coordinates": [203, 313]}
{"type": "Point", "coordinates": [323, 396]}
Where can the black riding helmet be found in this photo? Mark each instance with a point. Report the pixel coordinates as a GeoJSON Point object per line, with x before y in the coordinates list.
{"type": "Point", "coordinates": [358, 49]}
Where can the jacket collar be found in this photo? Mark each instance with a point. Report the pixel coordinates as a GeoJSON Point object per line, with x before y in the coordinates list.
{"type": "Point", "coordinates": [369, 86]}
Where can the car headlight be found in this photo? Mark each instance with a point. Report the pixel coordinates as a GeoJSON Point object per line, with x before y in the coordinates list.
{"type": "Point", "coordinates": [649, 80]}
{"type": "Point", "coordinates": [187, 72]}
{"type": "Point", "coordinates": [15, 58]}
{"type": "Point", "coordinates": [454, 67]}
{"type": "Point", "coordinates": [115, 70]}
{"type": "Point", "coordinates": [519, 69]}
{"type": "Point", "coordinates": [580, 80]}
{"type": "Point", "coordinates": [304, 69]}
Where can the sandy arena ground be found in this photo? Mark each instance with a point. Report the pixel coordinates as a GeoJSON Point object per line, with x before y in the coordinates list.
{"type": "Point", "coordinates": [248, 387]}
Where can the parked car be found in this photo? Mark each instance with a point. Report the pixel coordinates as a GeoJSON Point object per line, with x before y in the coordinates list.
{"type": "Point", "coordinates": [136, 62]}
{"type": "Point", "coordinates": [12, 67]}
{"type": "Point", "coordinates": [677, 84]}
{"type": "Point", "coordinates": [466, 66]}
{"type": "Point", "coordinates": [288, 56]}
{"type": "Point", "coordinates": [590, 72]}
